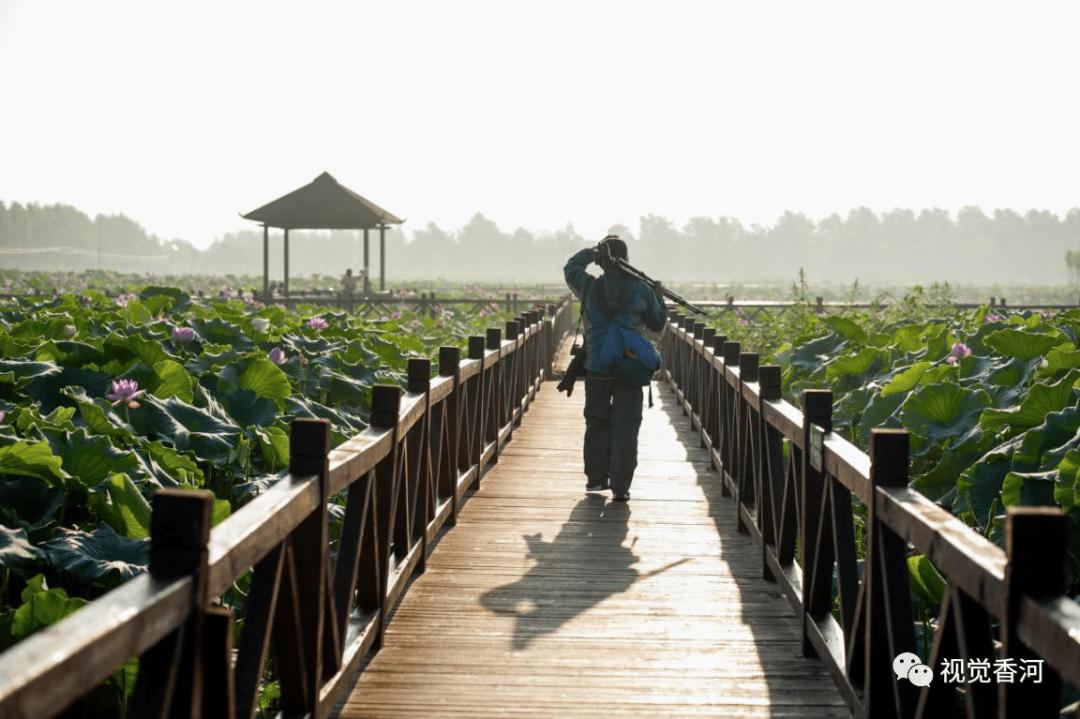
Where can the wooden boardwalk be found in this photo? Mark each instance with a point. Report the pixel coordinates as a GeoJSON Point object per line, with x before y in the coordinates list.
{"type": "Point", "coordinates": [546, 601]}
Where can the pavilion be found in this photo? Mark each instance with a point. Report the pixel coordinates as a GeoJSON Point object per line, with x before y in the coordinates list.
{"type": "Point", "coordinates": [323, 204]}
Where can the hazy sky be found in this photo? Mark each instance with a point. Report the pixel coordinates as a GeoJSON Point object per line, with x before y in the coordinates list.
{"type": "Point", "coordinates": [184, 115]}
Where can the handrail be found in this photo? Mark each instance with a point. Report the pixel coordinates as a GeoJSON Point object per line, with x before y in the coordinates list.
{"type": "Point", "coordinates": [405, 478]}
{"type": "Point", "coordinates": [794, 483]}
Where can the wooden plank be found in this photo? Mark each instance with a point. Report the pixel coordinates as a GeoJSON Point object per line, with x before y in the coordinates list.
{"type": "Point", "coordinates": [548, 601]}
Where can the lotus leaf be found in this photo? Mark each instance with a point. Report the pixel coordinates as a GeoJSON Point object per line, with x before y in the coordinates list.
{"type": "Point", "coordinates": [168, 467]}
{"type": "Point", "coordinates": [42, 607]}
{"type": "Point", "coordinates": [29, 503]}
{"type": "Point", "coordinates": [1028, 489]}
{"type": "Point", "coordinates": [926, 582]}
{"type": "Point", "coordinates": [1067, 489]}
{"type": "Point", "coordinates": [1042, 447]}
{"type": "Point", "coordinates": [90, 459]}
{"type": "Point", "coordinates": [274, 445]}
{"type": "Point", "coordinates": [906, 380]}
{"type": "Point", "coordinates": [810, 355]}
{"type": "Point", "coordinates": [216, 331]}
{"type": "Point", "coordinates": [249, 409]}
{"type": "Point", "coordinates": [31, 422]}
{"type": "Point", "coordinates": [857, 364]}
{"type": "Point", "coordinates": [131, 348]}
{"type": "Point", "coordinates": [23, 459]}
{"type": "Point", "coordinates": [908, 338]}
{"type": "Point", "coordinates": [979, 487]}
{"type": "Point", "coordinates": [1041, 399]}
{"type": "Point", "coordinates": [265, 379]}
{"type": "Point", "coordinates": [15, 548]}
{"type": "Point", "coordinates": [172, 380]}
{"type": "Point", "coordinates": [1024, 344]}
{"type": "Point", "coordinates": [845, 327]}
{"type": "Point", "coordinates": [120, 504]}
{"type": "Point", "coordinates": [70, 353]}
{"type": "Point", "coordinates": [21, 373]}
{"type": "Point", "coordinates": [178, 300]}
{"type": "Point", "coordinates": [187, 427]}
{"type": "Point", "coordinates": [101, 557]}
{"type": "Point", "coordinates": [942, 411]}
{"type": "Point", "coordinates": [1060, 359]}
{"type": "Point", "coordinates": [46, 391]}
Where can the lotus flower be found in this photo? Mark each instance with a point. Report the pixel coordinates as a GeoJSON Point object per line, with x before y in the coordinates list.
{"type": "Point", "coordinates": [69, 331]}
{"type": "Point", "coordinates": [277, 356]}
{"type": "Point", "coordinates": [126, 392]}
{"type": "Point", "coordinates": [183, 335]}
{"type": "Point", "coordinates": [260, 324]}
{"type": "Point", "coordinates": [993, 318]}
{"type": "Point", "coordinates": [3, 413]}
{"type": "Point", "coordinates": [317, 323]}
{"type": "Point", "coordinates": [957, 353]}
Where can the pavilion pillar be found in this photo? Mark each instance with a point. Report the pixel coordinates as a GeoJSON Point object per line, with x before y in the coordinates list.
{"type": "Point", "coordinates": [367, 274]}
{"type": "Point", "coordinates": [382, 256]}
{"type": "Point", "coordinates": [266, 264]}
{"type": "Point", "coordinates": [286, 290]}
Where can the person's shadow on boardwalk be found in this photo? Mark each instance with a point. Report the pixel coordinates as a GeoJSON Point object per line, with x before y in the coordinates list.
{"type": "Point", "coordinates": [585, 564]}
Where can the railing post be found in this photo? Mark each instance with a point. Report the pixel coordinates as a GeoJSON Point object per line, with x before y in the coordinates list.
{"type": "Point", "coordinates": [1035, 542]}
{"type": "Point", "coordinates": [170, 679]}
{"type": "Point", "coordinates": [496, 403]}
{"type": "Point", "coordinates": [385, 414]}
{"type": "Point", "coordinates": [771, 476]}
{"type": "Point", "coordinates": [888, 623]}
{"type": "Point", "coordinates": [744, 465]}
{"type": "Point", "coordinates": [817, 412]}
{"type": "Point", "coordinates": [728, 418]}
{"type": "Point", "coordinates": [309, 449]}
{"type": "Point", "coordinates": [450, 366]}
{"type": "Point", "coordinates": [478, 409]}
{"type": "Point", "coordinates": [421, 474]}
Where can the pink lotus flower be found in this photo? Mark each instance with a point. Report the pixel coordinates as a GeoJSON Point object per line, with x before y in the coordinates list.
{"type": "Point", "coordinates": [3, 414]}
{"type": "Point", "coordinates": [317, 323]}
{"type": "Point", "coordinates": [69, 331]}
{"type": "Point", "coordinates": [957, 353]}
{"type": "Point", "coordinates": [183, 335]}
{"type": "Point", "coordinates": [277, 356]}
{"type": "Point", "coordinates": [993, 318]}
{"type": "Point", "coordinates": [126, 392]}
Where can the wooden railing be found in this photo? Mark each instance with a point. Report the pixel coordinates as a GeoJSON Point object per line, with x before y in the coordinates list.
{"type": "Point", "coordinates": [794, 483]}
{"type": "Point", "coordinates": [762, 309]}
{"type": "Point", "coordinates": [404, 480]}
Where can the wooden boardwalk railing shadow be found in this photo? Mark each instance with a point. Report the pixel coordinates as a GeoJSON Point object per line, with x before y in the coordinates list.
{"type": "Point", "coordinates": [545, 601]}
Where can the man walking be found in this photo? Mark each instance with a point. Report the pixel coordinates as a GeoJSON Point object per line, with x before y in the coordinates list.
{"type": "Point", "coordinates": [612, 406]}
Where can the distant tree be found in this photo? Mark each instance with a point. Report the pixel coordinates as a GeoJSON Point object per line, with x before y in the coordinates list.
{"type": "Point", "coordinates": [661, 249]}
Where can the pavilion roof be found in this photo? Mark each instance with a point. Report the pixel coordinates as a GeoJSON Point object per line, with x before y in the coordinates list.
{"type": "Point", "coordinates": [323, 204]}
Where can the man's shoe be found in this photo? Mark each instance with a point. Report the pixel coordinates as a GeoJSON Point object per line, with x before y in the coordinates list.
{"type": "Point", "coordinates": [621, 497]}
{"type": "Point", "coordinates": [596, 486]}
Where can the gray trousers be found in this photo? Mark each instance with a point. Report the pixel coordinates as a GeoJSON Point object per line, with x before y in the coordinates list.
{"type": "Point", "coordinates": [612, 421]}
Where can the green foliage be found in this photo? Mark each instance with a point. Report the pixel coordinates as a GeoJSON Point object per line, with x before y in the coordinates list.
{"type": "Point", "coordinates": [990, 397]}
{"type": "Point", "coordinates": [78, 468]}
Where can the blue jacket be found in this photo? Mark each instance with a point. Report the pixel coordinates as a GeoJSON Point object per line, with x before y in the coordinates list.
{"type": "Point", "coordinates": [633, 305]}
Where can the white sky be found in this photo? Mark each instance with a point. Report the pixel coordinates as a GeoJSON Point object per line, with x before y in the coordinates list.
{"type": "Point", "coordinates": [184, 115]}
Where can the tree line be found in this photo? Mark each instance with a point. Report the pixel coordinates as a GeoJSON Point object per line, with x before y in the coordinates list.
{"type": "Point", "coordinates": [898, 247]}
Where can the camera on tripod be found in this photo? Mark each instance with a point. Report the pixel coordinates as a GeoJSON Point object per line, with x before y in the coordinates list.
{"type": "Point", "coordinates": [573, 370]}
